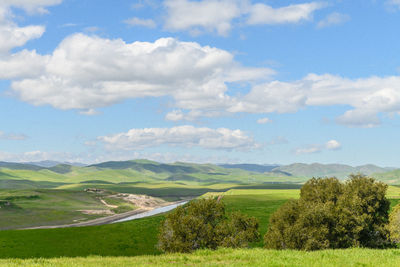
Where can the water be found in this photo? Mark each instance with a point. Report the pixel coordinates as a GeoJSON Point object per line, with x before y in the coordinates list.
{"type": "Point", "coordinates": [152, 212]}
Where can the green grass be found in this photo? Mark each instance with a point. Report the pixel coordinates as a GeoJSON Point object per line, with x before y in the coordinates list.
{"type": "Point", "coordinates": [29, 208]}
{"type": "Point", "coordinates": [232, 257]}
{"type": "Point", "coordinates": [132, 238]}
{"type": "Point", "coordinates": [138, 237]}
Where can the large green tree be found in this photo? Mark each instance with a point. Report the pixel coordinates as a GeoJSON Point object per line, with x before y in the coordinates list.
{"type": "Point", "coordinates": [331, 214]}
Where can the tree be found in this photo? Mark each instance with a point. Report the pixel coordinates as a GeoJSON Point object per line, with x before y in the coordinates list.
{"type": "Point", "coordinates": [203, 223]}
{"type": "Point", "coordinates": [330, 214]}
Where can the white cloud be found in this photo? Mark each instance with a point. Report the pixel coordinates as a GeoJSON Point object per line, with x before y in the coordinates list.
{"type": "Point", "coordinates": [367, 96]}
{"type": "Point", "coordinates": [333, 145]}
{"type": "Point", "coordinates": [31, 6]}
{"type": "Point", "coordinates": [359, 118]}
{"type": "Point", "coordinates": [317, 148]}
{"type": "Point", "coordinates": [263, 14]}
{"type": "Point", "coordinates": [12, 36]}
{"type": "Point", "coordinates": [89, 72]}
{"type": "Point", "coordinates": [209, 15]}
{"type": "Point", "coordinates": [264, 120]}
{"type": "Point", "coordinates": [12, 136]}
{"type": "Point", "coordinates": [184, 136]}
{"type": "Point", "coordinates": [149, 23]}
{"type": "Point", "coordinates": [26, 64]}
{"type": "Point", "coordinates": [175, 115]}
{"type": "Point", "coordinates": [219, 15]}
{"type": "Point", "coordinates": [333, 19]}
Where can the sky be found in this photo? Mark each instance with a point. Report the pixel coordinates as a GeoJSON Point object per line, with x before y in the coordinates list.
{"type": "Point", "coordinates": [206, 81]}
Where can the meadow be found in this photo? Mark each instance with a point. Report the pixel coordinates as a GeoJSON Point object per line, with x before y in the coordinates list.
{"type": "Point", "coordinates": [39, 207]}
{"type": "Point", "coordinates": [134, 238]}
{"type": "Point", "coordinates": [232, 257]}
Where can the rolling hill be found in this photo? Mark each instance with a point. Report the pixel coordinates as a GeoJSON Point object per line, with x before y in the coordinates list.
{"type": "Point", "coordinates": [130, 173]}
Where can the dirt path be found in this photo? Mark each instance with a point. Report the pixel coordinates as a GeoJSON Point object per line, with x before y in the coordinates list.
{"type": "Point", "coordinates": [104, 220]}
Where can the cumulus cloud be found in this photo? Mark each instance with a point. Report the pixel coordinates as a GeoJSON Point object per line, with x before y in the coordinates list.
{"type": "Point", "coordinates": [219, 15]}
{"type": "Point", "coordinates": [12, 36]}
{"type": "Point", "coordinates": [263, 14]}
{"type": "Point", "coordinates": [368, 97]}
{"type": "Point", "coordinates": [317, 148]}
{"type": "Point", "coordinates": [149, 23]}
{"type": "Point", "coordinates": [184, 136]}
{"type": "Point", "coordinates": [333, 145]}
{"type": "Point", "coordinates": [264, 120]}
{"type": "Point", "coordinates": [209, 15]}
{"type": "Point", "coordinates": [87, 72]}
{"type": "Point", "coordinates": [24, 63]}
{"type": "Point", "coordinates": [27, 64]}
{"type": "Point", "coordinates": [31, 6]}
{"type": "Point", "coordinates": [333, 19]}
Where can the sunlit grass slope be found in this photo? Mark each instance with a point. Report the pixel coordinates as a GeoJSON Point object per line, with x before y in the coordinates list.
{"type": "Point", "coordinates": [231, 257]}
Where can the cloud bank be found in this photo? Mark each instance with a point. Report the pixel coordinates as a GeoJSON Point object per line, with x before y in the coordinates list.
{"type": "Point", "coordinates": [183, 136]}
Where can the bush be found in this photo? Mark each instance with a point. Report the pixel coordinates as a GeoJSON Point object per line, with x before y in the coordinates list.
{"type": "Point", "coordinates": [330, 214]}
{"type": "Point", "coordinates": [394, 224]}
{"type": "Point", "coordinates": [203, 224]}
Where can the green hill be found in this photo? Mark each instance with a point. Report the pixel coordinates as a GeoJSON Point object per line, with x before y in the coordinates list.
{"type": "Point", "coordinates": [323, 170]}
{"type": "Point", "coordinates": [391, 177]}
{"type": "Point", "coordinates": [190, 174]}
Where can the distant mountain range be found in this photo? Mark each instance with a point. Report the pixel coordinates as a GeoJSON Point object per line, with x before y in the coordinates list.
{"type": "Point", "coordinates": [51, 163]}
{"type": "Point", "coordinates": [311, 170]}
{"type": "Point", "coordinates": [135, 171]}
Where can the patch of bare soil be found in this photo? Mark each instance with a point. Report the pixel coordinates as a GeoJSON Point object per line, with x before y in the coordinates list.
{"type": "Point", "coordinates": [141, 201]}
{"type": "Point", "coordinates": [108, 205]}
{"type": "Point", "coordinates": [97, 212]}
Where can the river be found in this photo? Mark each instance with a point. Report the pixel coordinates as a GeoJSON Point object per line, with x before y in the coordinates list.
{"type": "Point", "coordinates": [152, 212]}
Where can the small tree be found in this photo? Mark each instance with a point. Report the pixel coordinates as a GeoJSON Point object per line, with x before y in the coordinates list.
{"type": "Point", "coordinates": [330, 214]}
{"type": "Point", "coordinates": [203, 224]}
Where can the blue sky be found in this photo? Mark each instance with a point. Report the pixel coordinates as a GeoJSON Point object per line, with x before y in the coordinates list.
{"type": "Point", "coordinates": [200, 81]}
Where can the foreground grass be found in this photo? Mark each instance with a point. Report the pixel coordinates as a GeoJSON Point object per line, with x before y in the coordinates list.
{"type": "Point", "coordinates": [231, 257]}
{"type": "Point", "coordinates": [138, 237]}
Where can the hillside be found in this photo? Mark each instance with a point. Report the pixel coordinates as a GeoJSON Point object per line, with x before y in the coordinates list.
{"type": "Point", "coordinates": [391, 177]}
{"type": "Point", "coordinates": [323, 170]}
{"type": "Point", "coordinates": [130, 173]}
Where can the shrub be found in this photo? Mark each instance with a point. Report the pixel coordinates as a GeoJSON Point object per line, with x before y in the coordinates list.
{"type": "Point", "coordinates": [203, 224]}
{"type": "Point", "coordinates": [330, 214]}
{"type": "Point", "coordinates": [394, 224]}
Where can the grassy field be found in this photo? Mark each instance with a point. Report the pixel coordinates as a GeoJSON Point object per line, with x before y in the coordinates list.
{"type": "Point", "coordinates": [231, 257]}
{"type": "Point", "coordinates": [132, 238]}
{"type": "Point", "coordinates": [38, 207]}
